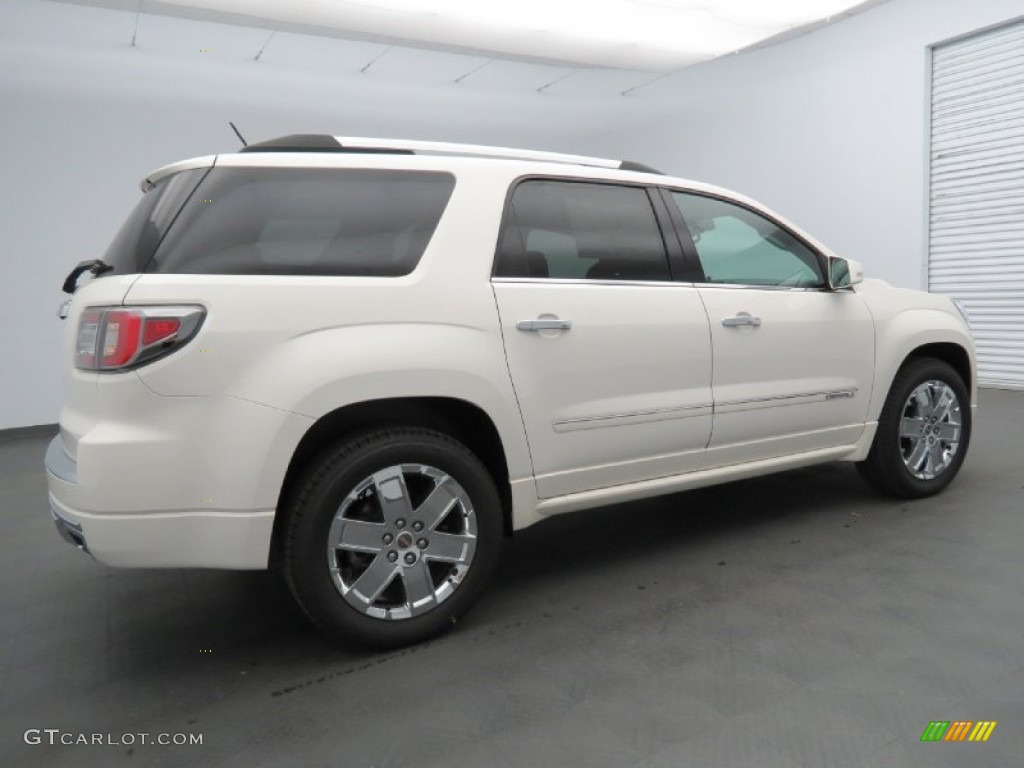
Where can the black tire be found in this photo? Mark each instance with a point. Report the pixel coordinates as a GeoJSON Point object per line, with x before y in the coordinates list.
{"type": "Point", "coordinates": [885, 467]}
{"type": "Point", "coordinates": [331, 481]}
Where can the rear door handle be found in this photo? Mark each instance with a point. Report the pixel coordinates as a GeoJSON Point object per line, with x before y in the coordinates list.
{"type": "Point", "coordinates": [544, 325]}
{"type": "Point", "coordinates": [743, 318]}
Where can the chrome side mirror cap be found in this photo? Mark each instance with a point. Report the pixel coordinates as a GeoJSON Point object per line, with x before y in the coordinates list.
{"type": "Point", "coordinates": [843, 273]}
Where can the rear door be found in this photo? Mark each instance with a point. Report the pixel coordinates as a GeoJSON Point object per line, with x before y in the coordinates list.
{"type": "Point", "coordinates": [611, 359]}
{"type": "Point", "coordinates": [793, 360]}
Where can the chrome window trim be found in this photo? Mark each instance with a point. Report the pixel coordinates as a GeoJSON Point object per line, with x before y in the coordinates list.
{"type": "Point", "coordinates": [605, 281]}
{"type": "Point", "coordinates": [754, 287]}
{"type": "Point", "coordinates": [585, 281]}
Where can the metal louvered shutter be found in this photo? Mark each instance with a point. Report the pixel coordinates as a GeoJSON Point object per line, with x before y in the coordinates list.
{"type": "Point", "coordinates": [976, 221]}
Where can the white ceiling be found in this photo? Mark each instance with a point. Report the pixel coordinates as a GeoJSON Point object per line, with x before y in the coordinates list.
{"type": "Point", "coordinates": [146, 30]}
{"type": "Point", "coordinates": [654, 36]}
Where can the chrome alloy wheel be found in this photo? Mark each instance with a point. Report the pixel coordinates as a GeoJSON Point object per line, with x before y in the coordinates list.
{"type": "Point", "coordinates": [930, 429]}
{"type": "Point", "coordinates": [402, 541]}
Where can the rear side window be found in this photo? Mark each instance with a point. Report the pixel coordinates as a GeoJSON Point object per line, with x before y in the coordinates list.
{"type": "Point", "coordinates": [137, 240]}
{"type": "Point", "coordinates": [581, 230]}
{"type": "Point", "coordinates": [306, 221]}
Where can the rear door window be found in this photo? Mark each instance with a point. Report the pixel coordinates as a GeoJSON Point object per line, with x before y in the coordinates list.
{"type": "Point", "coordinates": [306, 221]}
{"type": "Point", "coordinates": [581, 230]}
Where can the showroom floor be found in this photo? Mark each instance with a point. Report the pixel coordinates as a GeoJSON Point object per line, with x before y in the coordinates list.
{"type": "Point", "coordinates": [796, 620]}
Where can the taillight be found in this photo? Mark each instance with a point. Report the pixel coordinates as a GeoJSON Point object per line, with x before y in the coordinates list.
{"type": "Point", "coordinates": [118, 338]}
{"type": "Point", "coordinates": [160, 330]}
{"type": "Point", "coordinates": [88, 335]}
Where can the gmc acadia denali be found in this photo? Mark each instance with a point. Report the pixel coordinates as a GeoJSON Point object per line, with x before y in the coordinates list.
{"type": "Point", "coordinates": [366, 362]}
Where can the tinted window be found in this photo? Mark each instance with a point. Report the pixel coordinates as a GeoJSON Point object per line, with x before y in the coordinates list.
{"type": "Point", "coordinates": [736, 245]}
{"type": "Point", "coordinates": [135, 243]}
{"type": "Point", "coordinates": [581, 230]}
{"type": "Point", "coordinates": [306, 221]}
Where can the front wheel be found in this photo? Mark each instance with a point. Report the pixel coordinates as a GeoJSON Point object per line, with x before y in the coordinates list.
{"type": "Point", "coordinates": [923, 431]}
{"type": "Point", "coordinates": [392, 536]}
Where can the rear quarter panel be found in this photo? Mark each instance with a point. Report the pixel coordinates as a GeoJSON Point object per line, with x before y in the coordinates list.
{"type": "Point", "coordinates": [310, 345]}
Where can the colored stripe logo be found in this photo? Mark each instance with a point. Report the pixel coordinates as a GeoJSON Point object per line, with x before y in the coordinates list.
{"type": "Point", "coordinates": [958, 730]}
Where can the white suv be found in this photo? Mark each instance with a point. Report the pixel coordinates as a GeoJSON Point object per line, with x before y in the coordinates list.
{"type": "Point", "coordinates": [367, 362]}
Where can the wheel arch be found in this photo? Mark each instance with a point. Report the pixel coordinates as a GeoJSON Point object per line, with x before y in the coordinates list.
{"type": "Point", "coordinates": [460, 419]}
{"type": "Point", "coordinates": [950, 353]}
{"type": "Point", "coordinates": [916, 334]}
{"type": "Point", "coordinates": [886, 465]}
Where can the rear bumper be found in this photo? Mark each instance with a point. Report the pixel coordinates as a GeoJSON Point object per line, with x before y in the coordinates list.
{"type": "Point", "coordinates": [190, 539]}
{"type": "Point", "coordinates": [141, 480]}
{"type": "Point", "coordinates": [203, 538]}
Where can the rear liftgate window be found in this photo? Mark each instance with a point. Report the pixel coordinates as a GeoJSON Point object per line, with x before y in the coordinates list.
{"type": "Point", "coordinates": [303, 221]}
{"type": "Point", "coordinates": [136, 241]}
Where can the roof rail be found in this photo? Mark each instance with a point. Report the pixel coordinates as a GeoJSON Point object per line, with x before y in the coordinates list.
{"type": "Point", "coordinates": [323, 143]}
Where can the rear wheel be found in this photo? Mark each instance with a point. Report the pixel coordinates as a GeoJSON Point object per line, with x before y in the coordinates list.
{"type": "Point", "coordinates": [923, 431]}
{"type": "Point", "coordinates": [392, 536]}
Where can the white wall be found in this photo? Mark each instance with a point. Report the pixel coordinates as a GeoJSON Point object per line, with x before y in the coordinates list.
{"type": "Point", "coordinates": [85, 117]}
{"type": "Point", "coordinates": [829, 129]}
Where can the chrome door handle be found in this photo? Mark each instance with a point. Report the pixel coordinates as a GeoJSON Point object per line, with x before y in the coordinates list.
{"type": "Point", "coordinates": [544, 325]}
{"type": "Point", "coordinates": [741, 319]}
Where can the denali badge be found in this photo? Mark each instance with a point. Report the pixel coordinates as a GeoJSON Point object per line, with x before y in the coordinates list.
{"type": "Point", "coordinates": [838, 395]}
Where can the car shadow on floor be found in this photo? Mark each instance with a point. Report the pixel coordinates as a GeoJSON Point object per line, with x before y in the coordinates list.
{"type": "Point", "coordinates": [249, 619]}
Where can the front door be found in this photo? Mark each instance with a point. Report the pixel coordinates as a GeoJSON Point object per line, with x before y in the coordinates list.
{"type": "Point", "coordinates": [793, 361]}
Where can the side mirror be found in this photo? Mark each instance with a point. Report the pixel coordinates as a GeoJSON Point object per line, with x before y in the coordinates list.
{"type": "Point", "coordinates": [842, 273]}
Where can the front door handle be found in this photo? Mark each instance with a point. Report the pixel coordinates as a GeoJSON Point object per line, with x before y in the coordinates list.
{"type": "Point", "coordinates": [743, 318]}
{"type": "Point", "coordinates": [544, 325]}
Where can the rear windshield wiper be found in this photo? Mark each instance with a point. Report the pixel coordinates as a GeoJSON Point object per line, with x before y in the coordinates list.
{"type": "Point", "coordinates": [96, 266]}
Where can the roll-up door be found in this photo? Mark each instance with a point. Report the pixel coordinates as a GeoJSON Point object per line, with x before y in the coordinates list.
{"type": "Point", "coordinates": [976, 222]}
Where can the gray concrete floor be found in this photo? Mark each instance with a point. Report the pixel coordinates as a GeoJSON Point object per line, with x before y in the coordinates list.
{"type": "Point", "coordinates": [796, 620]}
